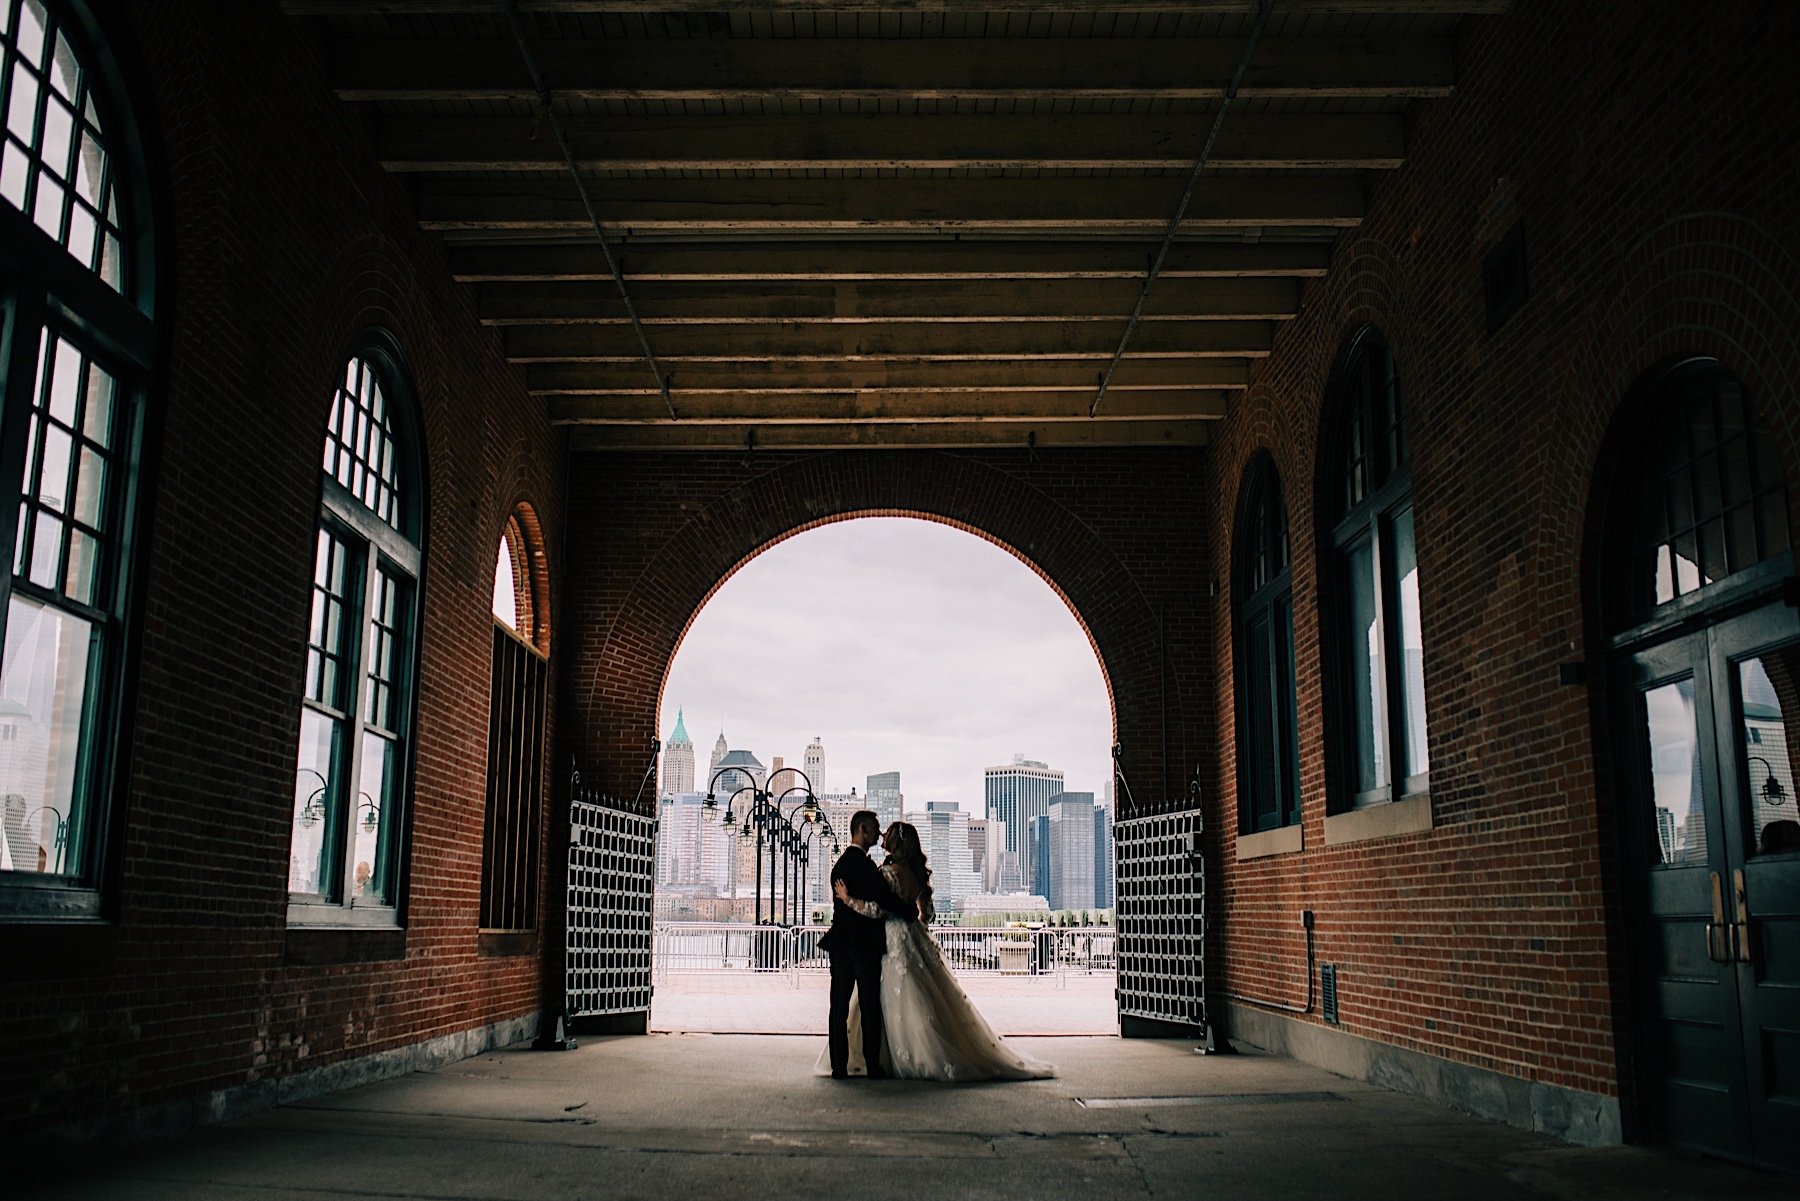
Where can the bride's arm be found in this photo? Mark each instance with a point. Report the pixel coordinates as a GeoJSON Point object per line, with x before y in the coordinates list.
{"type": "Point", "coordinates": [866, 908]}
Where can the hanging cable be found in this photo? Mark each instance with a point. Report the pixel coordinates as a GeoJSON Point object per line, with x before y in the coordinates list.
{"type": "Point", "coordinates": [587, 202]}
{"type": "Point", "coordinates": [1187, 195]}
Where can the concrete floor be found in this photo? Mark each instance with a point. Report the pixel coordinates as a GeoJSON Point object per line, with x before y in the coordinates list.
{"type": "Point", "coordinates": [698, 1117]}
{"type": "Point", "coordinates": [777, 1003]}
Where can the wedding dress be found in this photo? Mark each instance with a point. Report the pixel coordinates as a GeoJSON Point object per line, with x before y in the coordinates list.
{"type": "Point", "coordinates": [933, 1031]}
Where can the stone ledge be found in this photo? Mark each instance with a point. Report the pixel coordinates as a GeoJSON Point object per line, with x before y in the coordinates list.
{"type": "Point", "coordinates": [1282, 841]}
{"type": "Point", "coordinates": [1407, 816]}
{"type": "Point", "coordinates": [1587, 1119]}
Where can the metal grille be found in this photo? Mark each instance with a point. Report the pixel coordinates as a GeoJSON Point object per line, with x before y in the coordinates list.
{"type": "Point", "coordinates": [515, 783]}
{"type": "Point", "coordinates": [1162, 918]}
{"type": "Point", "coordinates": [612, 881]}
{"type": "Point", "coordinates": [1328, 992]}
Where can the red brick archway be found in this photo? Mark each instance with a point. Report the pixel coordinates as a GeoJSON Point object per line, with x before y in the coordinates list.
{"type": "Point", "coordinates": [663, 532]}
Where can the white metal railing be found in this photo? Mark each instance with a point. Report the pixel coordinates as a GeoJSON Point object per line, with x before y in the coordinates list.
{"type": "Point", "coordinates": [1056, 951]}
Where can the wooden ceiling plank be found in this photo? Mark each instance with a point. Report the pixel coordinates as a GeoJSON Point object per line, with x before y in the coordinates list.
{"type": "Point", "coordinates": [548, 205]}
{"type": "Point", "coordinates": [967, 342]}
{"type": "Point", "coordinates": [398, 8]}
{"type": "Point", "coordinates": [963, 68]}
{"type": "Point", "coordinates": [931, 408]}
{"type": "Point", "coordinates": [916, 260]}
{"type": "Point", "coordinates": [881, 142]}
{"type": "Point", "coordinates": [562, 303]}
{"type": "Point", "coordinates": [895, 436]}
{"type": "Point", "coordinates": [1072, 375]}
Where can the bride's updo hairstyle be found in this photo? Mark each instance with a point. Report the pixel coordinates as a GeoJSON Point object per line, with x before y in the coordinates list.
{"type": "Point", "coordinates": [909, 852]}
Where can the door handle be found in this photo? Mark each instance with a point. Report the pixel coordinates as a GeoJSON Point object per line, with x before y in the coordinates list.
{"type": "Point", "coordinates": [1719, 932]}
{"type": "Point", "coordinates": [1740, 929]}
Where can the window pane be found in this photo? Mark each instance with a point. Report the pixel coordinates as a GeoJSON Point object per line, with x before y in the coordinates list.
{"type": "Point", "coordinates": [375, 809]}
{"type": "Point", "coordinates": [1768, 745]}
{"type": "Point", "coordinates": [315, 808]}
{"type": "Point", "coordinates": [1287, 741]}
{"type": "Point", "coordinates": [506, 600]}
{"type": "Point", "coordinates": [43, 717]}
{"type": "Point", "coordinates": [1257, 745]}
{"type": "Point", "coordinates": [1412, 645]}
{"type": "Point", "coordinates": [1675, 773]}
{"type": "Point", "coordinates": [357, 444]}
{"type": "Point", "coordinates": [1366, 682]}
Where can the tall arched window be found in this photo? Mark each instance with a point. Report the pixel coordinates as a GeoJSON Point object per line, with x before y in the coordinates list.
{"type": "Point", "coordinates": [76, 300]}
{"type": "Point", "coordinates": [1268, 752]}
{"type": "Point", "coordinates": [1373, 581]}
{"type": "Point", "coordinates": [509, 865]}
{"type": "Point", "coordinates": [356, 718]}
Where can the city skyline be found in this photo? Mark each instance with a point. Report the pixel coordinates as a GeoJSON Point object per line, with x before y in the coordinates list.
{"type": "Point", "coordinates": [902, 645]}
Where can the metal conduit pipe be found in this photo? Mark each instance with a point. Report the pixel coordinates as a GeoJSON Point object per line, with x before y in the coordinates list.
{"type": "Point", "coordinates": [562, 141]}
{"type": "Point", "coordinates": [1306, 919]}
{"type": "Point", "coordinates": [1187, 195]}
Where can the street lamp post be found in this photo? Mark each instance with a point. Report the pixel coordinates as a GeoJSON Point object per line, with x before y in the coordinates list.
{"type": "Point", "coordinates": [765, 821]}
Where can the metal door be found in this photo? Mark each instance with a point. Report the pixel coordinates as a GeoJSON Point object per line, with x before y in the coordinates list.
{"type": "Point", "coordinates": [1713, 856]}
{"type": "Point", "coordinates": [610, 936]}
{"type": "Point", "coordinates": [1161, 917]}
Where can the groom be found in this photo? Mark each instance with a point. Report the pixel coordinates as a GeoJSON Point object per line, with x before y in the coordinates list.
{"type": "Point", "coordinates": [856, 945]}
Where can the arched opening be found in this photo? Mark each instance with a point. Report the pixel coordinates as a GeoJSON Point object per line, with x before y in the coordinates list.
{"type": "Point", "coordinates": [915, 668]}
{"type": "Point", "coordinates": [1701, 734]}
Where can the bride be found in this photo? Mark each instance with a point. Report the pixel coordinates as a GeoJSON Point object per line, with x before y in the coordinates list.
{"type": "Point", "coordinates": [932, 1030]}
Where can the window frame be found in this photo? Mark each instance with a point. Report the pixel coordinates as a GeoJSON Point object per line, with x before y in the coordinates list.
{"type": "Point", "coordinates": [527, 646]}
{"type": "Point", "coordinates": [1368, 520]}
{"type": "Point", "coordinates": [44, 288]}
{"type": "Point", "coordinates": [1273, 602]}
{"type": "Point", "coordinates": [374, 546]}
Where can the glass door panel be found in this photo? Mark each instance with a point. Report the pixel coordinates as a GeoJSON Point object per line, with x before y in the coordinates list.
{"type": "Point", "coordinates": [1759, 740]}
{"type": "Point", "coordinates": [1672, 819]}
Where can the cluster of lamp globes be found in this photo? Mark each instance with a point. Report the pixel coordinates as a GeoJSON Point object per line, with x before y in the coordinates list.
{"type": "Point", "coordinates": [765, 811]}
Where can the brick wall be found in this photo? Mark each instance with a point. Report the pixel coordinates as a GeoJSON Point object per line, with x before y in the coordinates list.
{"type": "Point", "coordinates": [281, 240]}
{"type": "Point", "coordinates": [1115, 532]}
{"type": "Point", "coordinates": [1647, 150]}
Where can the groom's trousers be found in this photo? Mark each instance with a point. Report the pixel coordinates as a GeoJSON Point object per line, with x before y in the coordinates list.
{"type": "Point", "coordinates": [858, 970]}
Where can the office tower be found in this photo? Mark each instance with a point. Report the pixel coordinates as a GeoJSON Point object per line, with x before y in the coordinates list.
{"type": "Point", "coordinates": [1016, 793]}
{"type": "Point", "coordinates": [718, 753]}
{"type": "Point", "coordinates": [678, 760]}
{"type": "Point", "coordinates": [815, 765]}
{"type": "Point", "coordinates": [1069, 830]}
{"type": "Point", "coordinates": [884, 797]}
{"type": "Point", "coordinates": [1103, 859]}
{"type": "Point", "coordinates": [944, 833]}
{"type": "Point", "coordinates": [1035, 854]}
{"type": "Point", "coordinates": [978, 845]}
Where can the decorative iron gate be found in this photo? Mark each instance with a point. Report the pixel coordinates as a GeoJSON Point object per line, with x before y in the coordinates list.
{"type": "Point", "coordinates": [1161, 918]}
{"type": "Point", "coordinates": [612, 882]}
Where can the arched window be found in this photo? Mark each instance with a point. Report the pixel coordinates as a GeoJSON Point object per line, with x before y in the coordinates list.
{"type": "Point", "coordinates": [356, 718]}
{"type": "Point", "coordinates": [1373, 580]}
{"type": "Point", "coordinates": [1710, 503]}
{"type": "Point", "coordinates": [1268, 753]}
{"type": "Point", "coordinates": [511, 834]}
{"type": "Point", "coordinates": [76, 300]}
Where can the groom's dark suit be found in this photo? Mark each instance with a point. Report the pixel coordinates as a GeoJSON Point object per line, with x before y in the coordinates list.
{"type": "Point", "coordinates": [856, 945]}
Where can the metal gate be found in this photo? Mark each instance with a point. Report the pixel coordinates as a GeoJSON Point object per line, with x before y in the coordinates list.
{"type": "Point", "coordinates": [612, 881]}
{"type": "Point", "coordinates": [1161, 912]}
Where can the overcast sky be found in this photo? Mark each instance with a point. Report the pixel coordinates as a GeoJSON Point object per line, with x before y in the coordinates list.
{"type": "Point", "coordinates": [904, 645]}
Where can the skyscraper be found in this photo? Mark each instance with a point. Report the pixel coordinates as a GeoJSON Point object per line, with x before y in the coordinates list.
{"type": "Point", "coordinates": [678, 760]}
{"type": "Point", "coordinates": [720, 749]}
{"type": "Point", "coordinates": [1016, 793]}
{"type": "Point", "coordinates": [978, 846]}
{"type": "Point", "coordinates": [944, 834]}
{"type": "Point", "coordinates": [1103, 858]}
{"type": "Point", "coordinates": [815, 765]}
{"type": "Point", "coordinates": [1070, 831]}
{"type": "Point", "coordinates": [884, 797]}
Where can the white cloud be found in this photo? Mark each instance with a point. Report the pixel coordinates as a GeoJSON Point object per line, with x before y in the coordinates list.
{"type": "Point", "coordinates": [903, 645]}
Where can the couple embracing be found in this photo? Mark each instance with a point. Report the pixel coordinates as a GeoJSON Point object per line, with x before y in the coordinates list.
{"type": "Point", "coordinates": [909, 1017]}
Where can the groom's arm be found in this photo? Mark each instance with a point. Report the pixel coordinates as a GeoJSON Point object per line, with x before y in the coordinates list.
{"type": "Point", "coordinates": [871, 885]}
